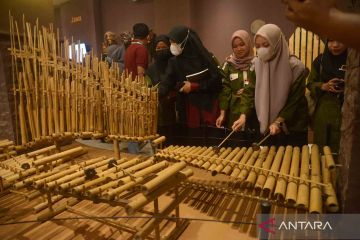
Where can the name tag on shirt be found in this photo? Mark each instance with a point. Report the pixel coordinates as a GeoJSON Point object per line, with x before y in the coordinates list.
{"type": "Point", "coordinates": [245, 77]}
{"type": "Point", "coordinates": [234, 76]}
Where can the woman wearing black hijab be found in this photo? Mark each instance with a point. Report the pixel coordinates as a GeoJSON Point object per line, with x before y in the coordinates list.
{"type": "Point", "coordinates": [326, 85]}
{"type": "Point", "coordinates": [194, 74]}
{"type": "Point", "coordinates": [154, 75]}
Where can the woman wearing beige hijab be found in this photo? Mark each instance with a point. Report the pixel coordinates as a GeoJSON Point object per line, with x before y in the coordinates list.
{"type": "Point", "coordinates": [279, 96]}
{"type": "Point", "coordinates": [237, 76]}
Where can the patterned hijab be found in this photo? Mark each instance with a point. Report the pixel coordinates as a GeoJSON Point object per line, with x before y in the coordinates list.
{"type": "Point", "coordinates": [274, 77]}
{"type": "Point", "coordinates": [245, 62]}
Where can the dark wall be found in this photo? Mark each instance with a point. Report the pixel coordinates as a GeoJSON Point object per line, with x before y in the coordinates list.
{"type": "Point", "coordinates": [88, 29]}
{"type": "Point", "coordinates": [216, 20]}
{"type": "Point", "coordinates": [32, 9]}
{"type": "Point", "coordinates": [121, 15]}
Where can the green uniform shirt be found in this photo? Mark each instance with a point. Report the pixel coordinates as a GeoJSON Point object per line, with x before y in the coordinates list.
{"type": "Point", "coordinates": [327, 115]}
{"type": "Point", "coordinates": [229, 98]}
{"type": "Point", "coordinates": [295, 111]}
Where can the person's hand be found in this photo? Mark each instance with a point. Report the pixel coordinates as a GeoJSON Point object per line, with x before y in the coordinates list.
{"type": "Point", "coordinates": [330, 86]}
{"type": "Point", "coordinates": [186, 88]}
{"type": "Point", "coordinates": [237, 125]}
{"type": "Point", "coordinates": [310, 14]}
{"type": "Point", "coordinates": [274, 128]}
{"type": "Point", "coordinates": [220, 119]}
{"type": "Point", "coordinates": [240, 91]}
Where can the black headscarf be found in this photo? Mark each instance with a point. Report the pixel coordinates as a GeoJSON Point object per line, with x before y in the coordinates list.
{"type": "Point", "coordinates": [161, 57]}
{"type": "Point", "coordinates": [193, 49]}
{"type": "Point", "coordinates": [328, 65]}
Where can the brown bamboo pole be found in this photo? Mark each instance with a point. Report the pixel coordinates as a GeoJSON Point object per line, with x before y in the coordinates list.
{"type": "Point", "coordinates": [228, 169]}
{"type": "Point", "coordinates": [315, 191]}
{"type": "Point", "coordinates": [225, 162]}
{"type": "Point", "coordinates": [250, 181]}
{"type": "Point", "coordinates": [56, 156]}
{"type": "Point", "coordinates": [331, 201]}
{"type": "Point", "coordinates": [292, 188]}
{"type": "Point", "coordinates": [162, 177]}
{"type": "Point", "coordinates": [245, 169]}
{"type": "Point", "coordinates": [303, 197]}
{"type": "Point", "coordinates": [141, 200]}
{"type": "Point", "coordinates": [281, 184]}
{"type": "Point", "coordinates": [149, 226]}
{"type": "Point", "coordinates": [271, 178]}
{"type": "Point", "coordinates": [244, 159]}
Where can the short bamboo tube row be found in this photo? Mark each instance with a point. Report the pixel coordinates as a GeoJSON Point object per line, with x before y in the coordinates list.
{"type": "Point", "coordinates": [32, 163]}
{"type": "Point", "coordinates": [290, 175]}
{"type": "Point", "coordinates": [58, 94]}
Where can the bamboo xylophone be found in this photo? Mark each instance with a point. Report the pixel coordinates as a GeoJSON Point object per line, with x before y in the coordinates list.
{"type": "Point", "coordinates": [296, 177]}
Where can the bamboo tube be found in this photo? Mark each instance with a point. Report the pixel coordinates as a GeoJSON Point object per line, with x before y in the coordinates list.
{"type": "Point", "coordinates": [126, 180]}
{"type": "Point", "coordinates": [271, 178]}
{"type": "Point", "coordinates": [202, 160]}
{"type": "Point", "coordinates": [244, 159]}
{"type": "Point", "coordinates": [225, 162]}
{"type": "Point", "coordinates": [292, 188]}
{"type": "Point", "coordinates": [148, 227]}
{"type": "Point", "coordinates": [331, 202]}
{"type": "Point", "coordinates": [142, 200]}
{"type": "Point", "coordinates": [250, 181]}
{"type": "Point", "coordinates": [41, 151]}
{"type": "Point", "coordinates": [211, 160]}
{"type": "Point", "coordinates": [280, 188]}
{"type": "Point", "coordinates": [132, 169]}
{"type": "Point", "coordinates": [315, 191]}
{"type": "Point", "coordinates": [56, 156]}
{"type": "Point", "coordinates": [236, 159]}
{"type": "Point", "coordinates": [329, 158]}
{"type": "Point", "coordinates": [196, 161]}
{"type": "Point", "coordinates": [162, 177]}
{"type": "Point", "coordinates": [302, 200]}
{"type": "Point", "coordinates": [219, 159]}
{"type": "Point", "coordinates": [245, 169]}
{"type": "Point", "coordinates": [159, 140]}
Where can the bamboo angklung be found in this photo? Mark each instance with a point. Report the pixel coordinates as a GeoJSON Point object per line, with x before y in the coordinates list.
{"type": "Point", "coordinates": [57, 92]}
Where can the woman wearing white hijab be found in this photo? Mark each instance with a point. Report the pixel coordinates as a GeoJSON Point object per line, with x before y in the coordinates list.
{"type": "Point", "coordinates": [279, 97]}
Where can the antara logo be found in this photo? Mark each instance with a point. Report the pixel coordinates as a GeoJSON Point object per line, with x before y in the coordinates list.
{"type": "Point", "coordinates": [305, 225]}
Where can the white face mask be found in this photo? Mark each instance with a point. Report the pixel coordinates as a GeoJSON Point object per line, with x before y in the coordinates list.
{"type": "Point", "coordinates": [265, 54]}
{"type": "Point", "coordinates": [176, 49]}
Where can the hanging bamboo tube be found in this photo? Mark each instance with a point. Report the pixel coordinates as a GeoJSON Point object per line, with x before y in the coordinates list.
{"type": "Point", "coordinates": [331, 202]}
{"type": "Point", "coordinates": [225, 162]}
{"type": "Point", "coordinates": [315, 191]}
{"type": "Point", "coordinates": [244, 159]}
{"type": "Point", "coordinates": [227, 170]}
{"type": "Point", "coordinates": [271, 178]}
{"type": "Point", "coordinates": [292, 188]}
{"type": "Point", "coordinates": [245, 169]}
{"type": "Point", "coordinates": [280, 188]}
{"type": "Point", "coordinates": [250, 181]}
{"type": "Point", "coordinates": [302, 200]}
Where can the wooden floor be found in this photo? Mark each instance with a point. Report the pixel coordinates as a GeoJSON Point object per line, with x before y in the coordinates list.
{"type": "Point", "coordinates": [210, 209]}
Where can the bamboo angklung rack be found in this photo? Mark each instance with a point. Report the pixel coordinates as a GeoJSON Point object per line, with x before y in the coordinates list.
{"type": "Point", "coordinates": [289, 176]}
{"type": "Point", "coordinates": [128, 183]}
{"type": "Point", "coordinates": [55, 95]}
